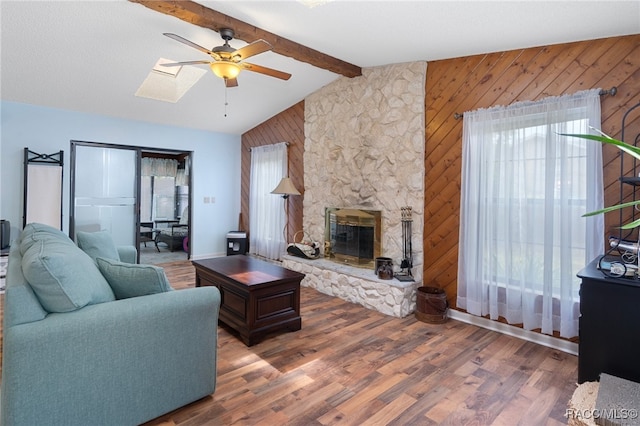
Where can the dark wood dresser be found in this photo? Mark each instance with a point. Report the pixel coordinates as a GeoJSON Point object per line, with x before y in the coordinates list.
{"type": "Point", "coordinates": [258, 297]}
{"type": "Point", "coordinates": [609, 326]}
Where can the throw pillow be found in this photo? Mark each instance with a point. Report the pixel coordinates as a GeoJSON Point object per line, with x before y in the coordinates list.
{"type": "Point", "coordinates": [133, 280]}
{"type": "Point", "coordinates": [62, 276]}
{"type": "Point", "coordinates": [98, 244]}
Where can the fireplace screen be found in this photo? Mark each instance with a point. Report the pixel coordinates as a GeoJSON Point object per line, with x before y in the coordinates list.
{"type": "Point", "coordinates": [352, 236]}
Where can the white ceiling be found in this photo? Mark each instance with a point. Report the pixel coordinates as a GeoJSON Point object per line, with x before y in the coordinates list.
{"type": "Point", "coordinates": [93, 55]}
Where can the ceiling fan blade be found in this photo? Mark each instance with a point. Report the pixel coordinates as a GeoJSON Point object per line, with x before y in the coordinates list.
{"type": "Point", "coordinates": [231, 82]}
{"type": "Point", "coordinates": [252, 49]}
{"type": "Point", "coordinates": [266, 71]}
{"type": "Point", "coordinates": [177, 64]}
{"type": "Point", "coordinates": [191, 44]}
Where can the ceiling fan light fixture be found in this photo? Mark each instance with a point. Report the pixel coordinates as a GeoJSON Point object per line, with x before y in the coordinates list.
{"type": "Point", "coordinates": [225, 70]}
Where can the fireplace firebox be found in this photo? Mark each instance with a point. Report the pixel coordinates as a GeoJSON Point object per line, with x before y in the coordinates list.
{"type": "Point", "coordinates": [352, 236]}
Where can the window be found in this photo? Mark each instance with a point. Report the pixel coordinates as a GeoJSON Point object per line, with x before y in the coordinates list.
{"type": "Point", "coordinates": [146, 195]}
{"type": "Point", "coordinates": [524, 190]}
{"type": "Point", "coordinates": [158, 198]}
{"type": "Point", "coordinates": [164, 204]}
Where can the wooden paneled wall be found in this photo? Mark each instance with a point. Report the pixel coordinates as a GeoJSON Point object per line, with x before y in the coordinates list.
{"type": "Point", "coordinates": [502, 78]}
{"type": "Point", "coordinates": [288, 126]}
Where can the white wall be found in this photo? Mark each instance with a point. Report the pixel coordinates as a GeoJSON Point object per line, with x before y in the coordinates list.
{"type": "Point", "coordinates": [216, 163]}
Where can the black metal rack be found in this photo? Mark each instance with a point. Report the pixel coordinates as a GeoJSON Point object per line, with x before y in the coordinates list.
{"type": "Point", "coordinates": [627, 240]}
{"type": "Point", "coordinates": [43, 191]}
{"type": "Point", "coordinates": [634, 180]}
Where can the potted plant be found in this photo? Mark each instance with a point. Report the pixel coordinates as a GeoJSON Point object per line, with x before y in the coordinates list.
{"type": "Point", "coordinates": [626, 148]}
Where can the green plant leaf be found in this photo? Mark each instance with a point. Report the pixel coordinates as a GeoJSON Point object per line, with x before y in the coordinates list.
{"type": "Point", "coordinates": [631, 225]}
{"type": "Point", "coordinates": [612, 208]}
{"type": "Point", "coordinates": [632, 150]}
{"type": "Point", "coordinates": [629, 149]}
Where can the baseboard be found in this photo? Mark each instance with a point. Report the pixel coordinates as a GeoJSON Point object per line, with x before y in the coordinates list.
{"type": "Point", "coordinates": [207, 256]}
{"type": "Point", "coordinates": [531, 336]}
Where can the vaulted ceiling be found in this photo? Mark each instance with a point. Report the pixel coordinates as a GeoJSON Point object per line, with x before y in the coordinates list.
{"type": "Point", "coordinates": [94, 55]}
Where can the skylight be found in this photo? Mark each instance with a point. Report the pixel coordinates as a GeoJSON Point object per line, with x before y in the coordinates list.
{"type": "Point", "coordinates": [169, 84]}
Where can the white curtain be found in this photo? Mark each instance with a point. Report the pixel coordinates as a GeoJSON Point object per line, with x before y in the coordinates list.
{"type": "Point", "coordinates": [524, 190]}
{"type": "Point", "coordinates": [164, 167]}
{"type": "Point", "coordinates": [266, 210]}
{"type": "Point", "coordinates": [182, 177]}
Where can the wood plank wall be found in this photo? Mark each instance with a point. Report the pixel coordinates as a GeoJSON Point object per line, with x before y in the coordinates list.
{"type": "Point", "coordinates": [288, 126]}
{"type": "Point", "coordinates": [502, 78]}
{"type": "Point", "coordinates": [468, 83]}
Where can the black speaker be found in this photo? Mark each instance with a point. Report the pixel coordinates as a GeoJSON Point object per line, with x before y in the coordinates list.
{"type": "Point", "coordinates": [5, 234]}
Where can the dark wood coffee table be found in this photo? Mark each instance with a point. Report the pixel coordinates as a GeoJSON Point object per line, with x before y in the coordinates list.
{"type": "Point", "coordinates": [258, 297]}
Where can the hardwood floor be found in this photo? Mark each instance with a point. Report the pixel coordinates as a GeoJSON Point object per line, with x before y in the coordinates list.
{"type": "Point", "coordinates": [353, 366]}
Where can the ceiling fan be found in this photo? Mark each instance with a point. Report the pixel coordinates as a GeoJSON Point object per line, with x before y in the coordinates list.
{"type": "Point", "coordinates": [227, 61]}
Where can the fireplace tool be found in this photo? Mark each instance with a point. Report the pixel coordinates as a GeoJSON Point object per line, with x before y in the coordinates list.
{"type": "Point", "coordinates": [407, 257]}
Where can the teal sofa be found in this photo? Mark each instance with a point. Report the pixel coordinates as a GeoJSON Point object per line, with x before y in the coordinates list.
{"type": "Point", "coordinates": [89, 339]}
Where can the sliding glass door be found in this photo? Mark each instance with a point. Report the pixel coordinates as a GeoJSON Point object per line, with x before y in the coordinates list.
{"type": "Point", "coordinates": [114, 190]}
{"type": "Point", "coordinates": [104, 191]}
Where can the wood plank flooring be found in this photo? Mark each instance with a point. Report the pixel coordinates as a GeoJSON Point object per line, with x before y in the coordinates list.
{"type": "Point", "coordinates": [353, 366]}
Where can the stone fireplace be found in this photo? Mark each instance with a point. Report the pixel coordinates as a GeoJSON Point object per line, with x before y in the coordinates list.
{"type": "Point", "coordinates": [364, 148]}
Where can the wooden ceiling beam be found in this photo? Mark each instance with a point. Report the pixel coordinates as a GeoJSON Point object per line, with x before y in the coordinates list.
{"type": "Point", "coordinates": [202, 16]}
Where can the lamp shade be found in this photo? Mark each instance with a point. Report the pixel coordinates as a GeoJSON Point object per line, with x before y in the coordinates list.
{"type": "Point", "coordinates": [285, 187]}
{"type": "Point", "coordinates": [225, 69]}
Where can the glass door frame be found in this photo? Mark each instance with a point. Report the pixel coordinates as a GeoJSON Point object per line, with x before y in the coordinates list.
{"type": "Point", "coordinates": [138, 184]}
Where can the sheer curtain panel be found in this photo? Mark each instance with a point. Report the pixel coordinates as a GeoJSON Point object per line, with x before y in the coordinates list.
{"type": "Point", "coordinates": [266, 211]}
{"type": "Point", "coordinates": [524, 191]}
{"type": "Point", "coordinates": [165, 167]}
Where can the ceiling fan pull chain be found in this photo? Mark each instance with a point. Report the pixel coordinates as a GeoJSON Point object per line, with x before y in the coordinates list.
{"type": "Point", "coordinates": [225, 99]}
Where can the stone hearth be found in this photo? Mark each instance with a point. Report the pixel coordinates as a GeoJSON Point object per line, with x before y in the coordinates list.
{"type": "Point", "coordinates": [357, 285]}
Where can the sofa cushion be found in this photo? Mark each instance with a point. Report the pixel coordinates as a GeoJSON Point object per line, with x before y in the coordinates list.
{"type": "Point", "coordinates": [63, 277]}
{"type": "Point", "coordinates": [41, 227]}
{"type": "Point", "coordinates": [98, 244]}
{"type": "Point", "coordinates": [32, 231]}
{"type": "Point", "coordinates": [132, 280]}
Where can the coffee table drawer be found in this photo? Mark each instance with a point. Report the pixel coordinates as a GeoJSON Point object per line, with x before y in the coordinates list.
{"type": "Point", "coordinates": [276, 304]}
{"type": "Point", "coordinates": [234, 302]}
